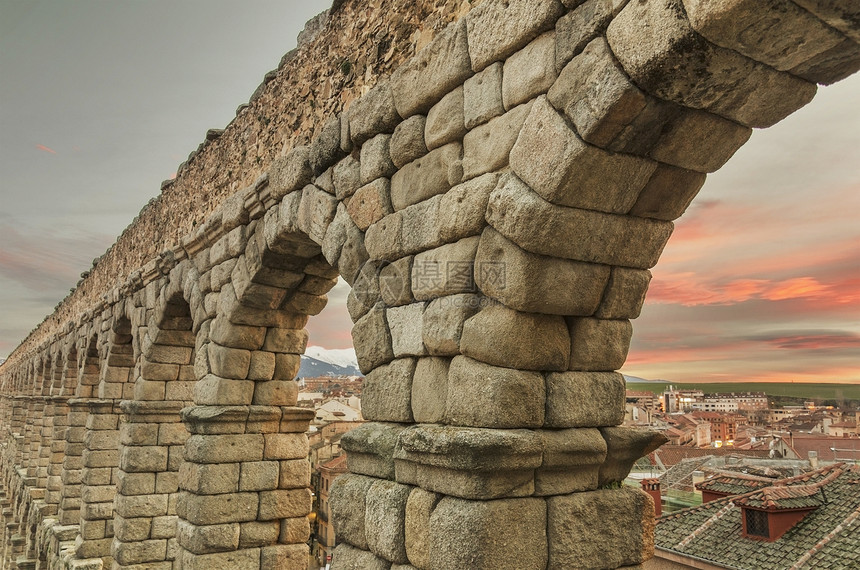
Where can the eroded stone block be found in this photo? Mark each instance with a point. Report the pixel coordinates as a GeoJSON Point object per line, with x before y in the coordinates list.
{"type": "Point", "coordinates": [600, 529]}
{"type": "Point", "coordinates": [501, 336]}
{"type": "Point", "coordinates": [477, 534]}
{"type": "Point", "coordinates": [481, 395]}
{"type": "Point", "coordinates": [584, 399]}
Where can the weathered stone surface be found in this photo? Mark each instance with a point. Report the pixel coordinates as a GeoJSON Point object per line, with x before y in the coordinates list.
{"type": "Point", "coordinates": [383, 239]}
{"type": "Point", "coordinates": [487, 148]}
{"type": "Point", "coordinates": [445, 121]}
{"type": "Point", "coordinates": [262, 366]}
{"type": "Point", "coordinates": [572, 233]}
{"type": "Point", "coordinates": [836, 13]}
{"type": "Point", "coordinates": [664, 56]}
{"type": "Point", "coordinates": [571, 461]}
{"type": "Point", "coordinates": [446, 270]}
{"type": "Point", "coordinates": [443, 322]}
{"type": "Point", "coordinates": [595, 94]}
{"type": "Point", "coordinates": [385, 520]}
{"type": "Point", "coordinates": [501, 336]}
{"type": "Point", "coordinates": [290, 173]}
{"type": "Point", "coordinates": [347, 557]}
{"type": "Point", "coordinates": [406, 325]}
{"type": "Point", "coordinates": [430, 390]}
{"type": "Point", "coordinates": [498, 29]}
{"type": "Point", "coordinates": [347, 500]}
{"type": "Point", "coordinates": [434, 71]}
{"type": "Point", "coordinates": [253, 534]}
{"type": "Point", "coordinates": [551, 158]}
{"type": "Point", "coordinates": [831, 66]}
{"type": "Point", "coordinates": [528, 282]}
{"type": "Point", "coordinates": [284, 503]}
{"type": "Point", "coordinates": [584, 399]}
{"type": "Point", "coordinates": [370, 449]}
{"type": "Point", "coordinates": [370, 203]}
{"type": "Point", "coordinates": [365, 291]}
{"type": "Point", "coordinates": [420, 230]}
{"type": "Point", "coordinates": [246, 558]}
{"type": "Point", "coordinates": [461, 209]}
{"type": "Point", "coordinates": [229, 448]}
{"type": "Point", "coordinates": [624, 446]}
{"type": "Point", "coordinates": [481, 529]}
{"type": "Point", "coordinates": [419, 507]}
{"type": "Point", "coordinates": [395, 282]}
{"type": "Point", "coordinates": [228, 362]}
{"type": "Point", "coordinates": [208, 539]}
{"type": "Point", "coordinates": [781, 34]}
{"type": "Point", "coordinates": [482, 96]}
{"type": "Point", "coordinates": [316, 212]}
{"type": "Point", "coordinates": [529, 72]}
{"type": "Point", "coordinates": [471, 463]}
{"type": "Point", "coordinates": [283, 555]}
{"type": "Point", "coordinates": [376, 159]}
{"type": "Point", "coordinates": [372, 340]}
{"type": "Point", "coordinates": [600, 529]}
{"type": "Point", "coordinates": [353, 254]}
{"type": "Point", "coordinates": [346, 177]}
{"type": "Point", "coordinates": [480, 395]}
{"type": "Point", "coordinates": [387, 392]}
{"type": "Point", "coordinates": [575, 29]}
{"type": "Point", "coordinates": [427, 176]}
{"type": "Point", "coordinates": [209, 479]}
{"type": "Point", "coordinates": [668, 193]}
{"type": "Point", "coordinates": [218, 509]}
{"type": "Point", "coordinates": [212, 390]}
{"type": "Point", "coordinates": [599, 344]}
{"type": "Point", "coordinates": [407, 142]}
{"type": "Point", "coordinates": [325, 149]}
{"type": "Point", "coordinates": [372, 114]}
{"type": "Point", "coordinates": [624, 294]}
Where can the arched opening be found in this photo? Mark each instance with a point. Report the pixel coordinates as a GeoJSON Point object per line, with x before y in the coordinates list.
{"type": "Point", "coordinates": [152, 438]}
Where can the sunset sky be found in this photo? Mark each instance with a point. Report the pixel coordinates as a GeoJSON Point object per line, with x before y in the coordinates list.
{"type": "Point", "coordinates": [100, 101]}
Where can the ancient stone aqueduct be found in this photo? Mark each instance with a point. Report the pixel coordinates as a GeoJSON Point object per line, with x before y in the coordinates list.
{"type": "Point", "coordinates": [494, 179]}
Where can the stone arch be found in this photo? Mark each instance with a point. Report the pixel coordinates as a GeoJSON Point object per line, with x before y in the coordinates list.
{"type": "Point", "coordinates": [532, 143]}
{"type": "Point", "coordinates": [152, 435]}
{"type": "Point", "coordinates": [90, 365]}
{"type": "Point", "coordinates": [244, 417]}
{"type": "Point", "coordinates": [115, 380]}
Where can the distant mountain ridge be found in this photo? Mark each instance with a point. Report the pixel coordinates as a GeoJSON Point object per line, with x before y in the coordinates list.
{"type": "Point", "coordinates": [635, 379]}
{"type": "Point", "coordinates": [319, 361]}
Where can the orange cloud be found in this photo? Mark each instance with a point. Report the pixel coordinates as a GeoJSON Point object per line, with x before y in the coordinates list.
{"type": "Point", "coordinates": [689, 290]}
{"type": "Point", "coordinates": [46, 149]}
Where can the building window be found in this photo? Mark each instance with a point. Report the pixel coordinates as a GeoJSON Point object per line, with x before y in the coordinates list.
{"type": "Point", "coordinates": [757, 523]}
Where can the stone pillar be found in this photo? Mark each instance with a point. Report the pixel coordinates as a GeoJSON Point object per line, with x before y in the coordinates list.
{"type": "Point", "coordinates": [150, 453]}
{"type": "Point", "coordinates": [100, 460]}
{"type": "Point", "coordinates": [70, 497]}
{"type": "Point", "coordinates": [244, 495]}
{"type": "Point", "coordinates": [57, 449]}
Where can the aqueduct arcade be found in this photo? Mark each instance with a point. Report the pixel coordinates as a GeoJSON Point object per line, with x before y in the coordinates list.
{"type": "Point", "coordinates": [495, 199]}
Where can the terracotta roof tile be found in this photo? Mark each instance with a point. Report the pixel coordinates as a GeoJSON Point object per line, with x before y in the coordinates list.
{"type": "Point", "coordinates": [828, 537]}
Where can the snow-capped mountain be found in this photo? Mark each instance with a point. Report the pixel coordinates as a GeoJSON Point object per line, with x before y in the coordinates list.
{"type": "Point", "coordinates": [319, 361]}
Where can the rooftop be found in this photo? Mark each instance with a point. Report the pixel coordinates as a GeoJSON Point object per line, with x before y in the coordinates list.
{"type": "Point", "coordinates": [828, 537]}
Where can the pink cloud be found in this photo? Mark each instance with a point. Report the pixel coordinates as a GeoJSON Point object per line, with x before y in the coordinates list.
{"type": "Point", "coordinates": [46, 149]}
{"type": "Point", "coordinates": [689, 290]}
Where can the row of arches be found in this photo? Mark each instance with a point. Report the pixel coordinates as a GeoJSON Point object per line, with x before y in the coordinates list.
{"type": "Point", "coordinates": [108, 451]}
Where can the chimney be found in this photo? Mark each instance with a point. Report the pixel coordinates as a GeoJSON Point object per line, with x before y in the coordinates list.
{"type": "Point", "coordinates": [652, 487]}
{"type": "Point", "coordinates": [813, 459]}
